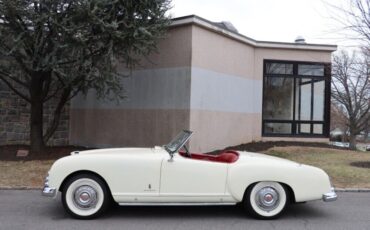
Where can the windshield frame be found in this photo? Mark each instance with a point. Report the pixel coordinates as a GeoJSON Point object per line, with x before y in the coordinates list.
{"type": "Point", "coordinates": [178, 142]}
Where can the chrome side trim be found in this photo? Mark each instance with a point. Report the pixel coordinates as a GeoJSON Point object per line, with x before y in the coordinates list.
{"type": "Point", "coordinates": [173, 204]}
{"type": "Point", "coordinates": [330, 196]}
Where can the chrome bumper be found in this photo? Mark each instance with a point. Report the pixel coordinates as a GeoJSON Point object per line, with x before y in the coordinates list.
{"type": "Point", "coordinates": [330, 196]}
{"type": "Point", "coordinates": [48, 191]}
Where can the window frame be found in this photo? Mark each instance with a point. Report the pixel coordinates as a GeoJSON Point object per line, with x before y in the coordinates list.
{"type": "Point", "coordinates": [295, 122]}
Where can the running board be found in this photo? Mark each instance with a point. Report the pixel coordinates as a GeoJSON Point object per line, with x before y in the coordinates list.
{"type": "Point", "coordinates": [173, 204]}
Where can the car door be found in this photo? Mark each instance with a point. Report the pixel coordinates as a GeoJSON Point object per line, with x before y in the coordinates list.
{"type": "Point", "coordinates": [135, 177]}
{"type": "Point", "coordinates": [191, 180]}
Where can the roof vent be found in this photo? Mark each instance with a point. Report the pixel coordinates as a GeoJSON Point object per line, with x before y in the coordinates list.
{"type": "Point", "coordinates": [300, 39]}
{"type": "Point", "coordinates": [227, 25]}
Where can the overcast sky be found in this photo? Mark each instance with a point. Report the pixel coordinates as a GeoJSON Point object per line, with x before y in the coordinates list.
{"type": "Point", "coordinates": [271, 20]}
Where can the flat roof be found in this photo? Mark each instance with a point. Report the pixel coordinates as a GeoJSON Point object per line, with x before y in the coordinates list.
{"type": "Point", "coordinates": [199, 21]}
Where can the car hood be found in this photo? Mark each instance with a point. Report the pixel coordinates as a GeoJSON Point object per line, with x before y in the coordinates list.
{"type": "Point", "coordinates": [119, 151]}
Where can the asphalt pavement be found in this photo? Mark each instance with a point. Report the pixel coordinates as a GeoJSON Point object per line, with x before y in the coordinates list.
{"type": "Point", "coordinates": [25, 209]}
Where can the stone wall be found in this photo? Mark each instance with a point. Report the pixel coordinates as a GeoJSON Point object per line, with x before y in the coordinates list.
{"type": "Point", "coordinates": [15, 115]}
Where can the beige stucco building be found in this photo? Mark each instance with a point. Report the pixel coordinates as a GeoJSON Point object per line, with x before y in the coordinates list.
{"type": "Point", "coordinates": [227, 88]}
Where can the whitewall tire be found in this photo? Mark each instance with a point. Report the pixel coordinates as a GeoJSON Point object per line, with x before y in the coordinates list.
{"type": "Point", "coordinates": [85, 196]}
{"type": "Point", "coordinates": [266, 200]}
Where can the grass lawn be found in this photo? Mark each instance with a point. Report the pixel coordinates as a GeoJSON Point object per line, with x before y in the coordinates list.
{"type": "Point", "coordinates": [335, 162]}
{"type": "Point", "coordinates": [23, 173]}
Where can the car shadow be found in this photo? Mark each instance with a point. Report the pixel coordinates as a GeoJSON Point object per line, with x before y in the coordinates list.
{"type": "Point", "coordinates": [176, 211]}
{"type": "Point", "coordinates": [301, 211]}
{"type": "Point", "coordinates": [204, 212]}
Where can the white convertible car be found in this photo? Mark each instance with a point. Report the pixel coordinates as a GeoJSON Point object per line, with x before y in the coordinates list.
{"type": "Point", "coordinates": [264, 185]}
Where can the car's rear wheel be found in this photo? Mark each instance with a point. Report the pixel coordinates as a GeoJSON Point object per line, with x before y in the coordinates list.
{"type": "Point", "coordinates": [85, 196]}
{"type": "Point", "coordinates": [266, 200]}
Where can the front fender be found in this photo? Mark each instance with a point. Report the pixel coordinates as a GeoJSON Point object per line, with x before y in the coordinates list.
{"type": "Point", "coordinates": [66, 166]}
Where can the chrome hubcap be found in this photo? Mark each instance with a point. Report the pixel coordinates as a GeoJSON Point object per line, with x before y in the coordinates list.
{"type": "Point", "coordinates": [267, 198]}
{"type": "Point", "coordinates": [85, 197]}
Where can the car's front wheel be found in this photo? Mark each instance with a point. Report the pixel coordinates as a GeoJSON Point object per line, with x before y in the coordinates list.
{"type": "Point", "coordinates": [85, 196]}
{"type": "Point", "coordinates": [265, 200]}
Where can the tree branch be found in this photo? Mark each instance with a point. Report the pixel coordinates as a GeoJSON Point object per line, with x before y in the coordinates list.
{"type": "Point", "coordinates": [57, 114]}
{"type": "Point", "coordinates": [5, 74]}
{"type": "Point", "coordinates": [14, 89]}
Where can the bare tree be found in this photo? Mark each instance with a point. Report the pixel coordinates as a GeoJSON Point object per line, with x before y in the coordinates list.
{"type": "Point", "coordinates": [367, 131]}
{"type": "Point", "coordinates": [353, 19]}
{"type": "Point", "coordinates": [351, 89]}
{"type": "Point", "coordinates": [358, 19]}
{"type": "Point", "coordinates": [338, 121]}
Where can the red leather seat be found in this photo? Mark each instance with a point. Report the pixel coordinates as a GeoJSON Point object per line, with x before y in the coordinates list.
{"type": "Point", "coordinates": [229, 156]}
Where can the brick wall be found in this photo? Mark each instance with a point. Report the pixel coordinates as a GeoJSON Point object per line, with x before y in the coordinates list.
{"type": "Point", "coordinates": [14, 120]}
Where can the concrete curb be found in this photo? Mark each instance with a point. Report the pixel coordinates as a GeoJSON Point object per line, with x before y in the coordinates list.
{"type": "Point", "coordinates": [39, 188]}
{"type": "Point", "coordinates": [352, 189]}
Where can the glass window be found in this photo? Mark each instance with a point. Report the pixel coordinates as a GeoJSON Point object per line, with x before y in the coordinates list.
{"type": "Point", "coordinates": [304, 128]}
{"type": "Point", "coordinates": [318, 100]}
{"type": "Point", "coordinates": [294, 98]}
{"type": "Point", "coordinates": [317, 129]}
{"type": "Point", "coordinates": [281, 128]}
{"type": "Point", "coordinates": [279, 68]}
{"type": "Point", "coordinates": [278, 98]}
{"type": "Point", "coordinates": [311, 70]}
{"type": "Point", "coordinates": [304, 99]}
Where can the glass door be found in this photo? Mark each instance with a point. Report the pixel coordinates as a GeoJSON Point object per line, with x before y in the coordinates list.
{"type": "Point", "coordinates": [310, 105]}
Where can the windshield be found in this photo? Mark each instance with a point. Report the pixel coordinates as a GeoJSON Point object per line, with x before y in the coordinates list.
{"type": "Point", "coordinates": [179, 141]}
